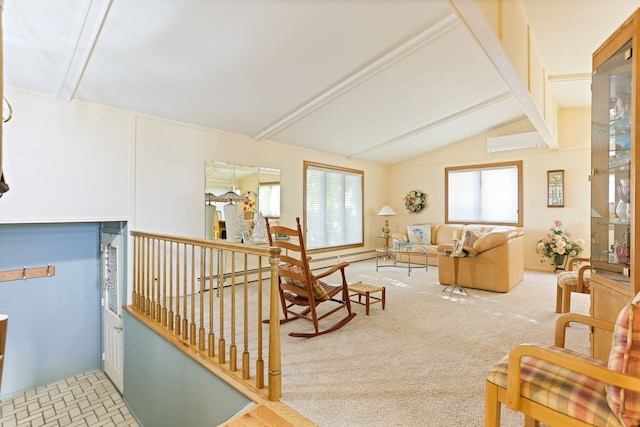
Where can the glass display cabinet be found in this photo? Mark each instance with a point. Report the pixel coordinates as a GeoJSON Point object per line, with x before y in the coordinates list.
{"type": "Point", "coordinates": [613, 184]}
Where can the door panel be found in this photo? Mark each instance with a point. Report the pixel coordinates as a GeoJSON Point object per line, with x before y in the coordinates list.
{"type": "Point", "coordinates": [112, 281]}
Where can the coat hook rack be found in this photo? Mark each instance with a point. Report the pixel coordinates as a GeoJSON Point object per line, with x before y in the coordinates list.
{"type": "Point", "coordinates": [27, 273]}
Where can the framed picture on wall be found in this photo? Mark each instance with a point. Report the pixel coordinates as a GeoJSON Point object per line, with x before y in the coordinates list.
{"type": "Point", "coordinates": [555, 189]}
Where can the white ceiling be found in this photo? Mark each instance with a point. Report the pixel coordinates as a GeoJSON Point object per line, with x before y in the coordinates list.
{"type": "Point", "coordinates": [375, 80]}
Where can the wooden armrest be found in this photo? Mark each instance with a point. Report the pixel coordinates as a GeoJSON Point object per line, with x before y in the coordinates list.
{"type": "Point", "coordinates": [563, 321]}
{"type": "Point", "coordinates": [580, 286]}
{"type": "Point", "coordinates": [332, 270]}
{"type": "Point", "coordinates": [589, 367]}
{"type": "Point", "coordinates": [576, 260]}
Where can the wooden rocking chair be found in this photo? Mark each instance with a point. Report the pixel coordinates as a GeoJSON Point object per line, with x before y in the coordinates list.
{"type": "Point", "coordinates": [300, 291]}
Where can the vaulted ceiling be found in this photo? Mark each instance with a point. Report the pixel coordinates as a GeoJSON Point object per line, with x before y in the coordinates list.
{"type": "Point", "coordinates": [380, 81]}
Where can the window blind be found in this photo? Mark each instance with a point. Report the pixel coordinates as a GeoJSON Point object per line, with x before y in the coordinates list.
{"type": "Point", "coordinates": [333, 207]}
{"type": "Point", "coordinates": [484, 195]}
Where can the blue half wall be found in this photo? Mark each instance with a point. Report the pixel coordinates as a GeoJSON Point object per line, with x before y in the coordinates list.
{"type": "Point", "coordinates": [54, 329]}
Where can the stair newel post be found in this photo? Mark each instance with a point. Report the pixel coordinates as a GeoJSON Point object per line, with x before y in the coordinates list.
{"type": "Point", "coordinates": [275, 355]}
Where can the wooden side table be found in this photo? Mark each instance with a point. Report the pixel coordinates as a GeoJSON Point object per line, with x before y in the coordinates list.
{"type": "Point", "coordinates": [362, 289]}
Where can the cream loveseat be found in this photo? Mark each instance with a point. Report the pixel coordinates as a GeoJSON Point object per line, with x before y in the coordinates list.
{"type": "Point", "coordinates": [497, 253]}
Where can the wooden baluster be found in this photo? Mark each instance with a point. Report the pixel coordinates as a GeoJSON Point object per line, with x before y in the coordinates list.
{"type": "Point", "coordinates": [147, 271]}
{"type": "Point", "coordinates": [245, 353]}
{"type": "Point", "coordinates": [193, 296]}
{"type": "Point", "coordinates": [212, 335]}
{"type": "Point", "coordinates": [153, 280]}
{"type": "Point", "coordinates": [136, 268]}
{"type": "Point", "coordinates": [170, 315]}
{"type": "Point", "coordinates": [178, 325]}
{"type": "Point", "coordinates": [233, 349]}
{"type": "Point", "coordinates": [158, 306]}
{"type": "Point", "coordinates": [221, 344]}
{"type": "Point", "coordinates": [203, 275]}
{"type": "Point", "coordinates": [164, 285]}
{"type": "Point", "coordinates": [185, 321]}
{"type": "Point", "coordinates": [260, 360]}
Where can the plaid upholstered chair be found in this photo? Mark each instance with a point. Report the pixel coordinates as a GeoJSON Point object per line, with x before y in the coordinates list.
{"type": "Point", "coordinates": [560, 387]}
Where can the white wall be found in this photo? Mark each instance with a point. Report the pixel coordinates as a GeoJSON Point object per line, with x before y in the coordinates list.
{"type": "Point", "coordinates": [76, 162]}
{"type": "Point", "coordinates": [64, 162]}
{"type": "Point", "coordinates": [426, 173]}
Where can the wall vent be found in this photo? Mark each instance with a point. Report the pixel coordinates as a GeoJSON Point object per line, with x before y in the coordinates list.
{"type": "Point", "coordinates": [517, 141]}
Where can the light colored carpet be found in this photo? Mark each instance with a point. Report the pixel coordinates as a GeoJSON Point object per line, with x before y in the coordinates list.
{"type": "Point", "coordinates": [423, 360]}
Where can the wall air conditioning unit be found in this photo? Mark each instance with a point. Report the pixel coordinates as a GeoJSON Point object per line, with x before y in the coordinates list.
{"type": "Point", "coordinates": [516, 141]}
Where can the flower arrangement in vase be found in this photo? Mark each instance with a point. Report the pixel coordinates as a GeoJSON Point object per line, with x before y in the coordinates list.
{"type": "Point", "coordinates": [557, 245]}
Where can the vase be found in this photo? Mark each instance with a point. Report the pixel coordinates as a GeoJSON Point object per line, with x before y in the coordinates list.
{"type": "Point", "coordinates": [622, 210]}
{"type": "Point", "coordinates": [559, 261]}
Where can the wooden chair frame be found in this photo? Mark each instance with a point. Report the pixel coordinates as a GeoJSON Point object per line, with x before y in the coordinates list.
{"type": "Point", "coordinates": [535, 413]}
{"type": "Point", "coordinates": [564, 290]}
{"type": "Point", "coordinates": [298, 302]}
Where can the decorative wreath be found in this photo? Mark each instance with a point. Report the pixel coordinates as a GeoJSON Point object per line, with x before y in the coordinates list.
{"type": "Point", "coordinates": [415, 201]}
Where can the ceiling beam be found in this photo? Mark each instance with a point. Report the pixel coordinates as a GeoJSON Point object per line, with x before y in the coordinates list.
{"type": "Point", "coordinates": [444, 25]}
{"type": "Point", "coordinates": [475, 21]}
{"type": "Point", "coordinates": [477, 107]}
{"type": "Point", "coordinates": [94, 20]}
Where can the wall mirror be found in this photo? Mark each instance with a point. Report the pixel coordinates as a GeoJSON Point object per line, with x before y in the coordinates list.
{"type": "Point", "coordinates": [555, 189]}
{"type": "Point", "coordinates": [259, 186]}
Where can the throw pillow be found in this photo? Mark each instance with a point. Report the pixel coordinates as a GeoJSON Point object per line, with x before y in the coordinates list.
{"type": "Point", "coordinates": [319, 293]}
{"type": "Point", "coordinates": [625, 357]}
{"type": "Point", "coordinates": [474, 235]}
{"type": "Point", "coordinates": [419, 234]}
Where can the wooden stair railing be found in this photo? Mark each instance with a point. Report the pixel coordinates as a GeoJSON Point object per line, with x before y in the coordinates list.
{"type": "Point", "coordinates": [206, 296]}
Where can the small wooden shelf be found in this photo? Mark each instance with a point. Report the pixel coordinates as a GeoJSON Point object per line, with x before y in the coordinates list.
{"type": "Point", "coordinates": [27, 273]}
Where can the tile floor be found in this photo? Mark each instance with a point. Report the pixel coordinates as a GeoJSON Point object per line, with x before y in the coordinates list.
{"type": "Point", "coordinates": [89, 399]}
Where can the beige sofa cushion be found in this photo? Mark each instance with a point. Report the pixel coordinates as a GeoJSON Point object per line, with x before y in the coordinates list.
{"type": "Point", "coordinates": [474, 232]}
{"type": "Point", "coordinates": [447, 232]}
{"type": "Point", "coordinates": [490, 240]}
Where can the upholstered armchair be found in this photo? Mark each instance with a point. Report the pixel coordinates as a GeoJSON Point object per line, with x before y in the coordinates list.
{"type": "Point", "coordinates": [560, 387]}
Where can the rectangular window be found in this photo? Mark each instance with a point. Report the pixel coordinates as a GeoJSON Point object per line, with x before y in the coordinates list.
{"type": "Point", "coordinates": [333, 213]}
{"type": "Point", "coordinates": [269, 199]}
{"type": "Point", "coordinates": [490, 194]}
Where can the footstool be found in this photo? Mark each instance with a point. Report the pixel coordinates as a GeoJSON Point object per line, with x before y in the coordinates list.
{"type": "Point", "coordinates": [362, 289]}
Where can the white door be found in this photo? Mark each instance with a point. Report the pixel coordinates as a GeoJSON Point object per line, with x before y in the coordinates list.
{"type": "Point", "coordinates": [112, 281]}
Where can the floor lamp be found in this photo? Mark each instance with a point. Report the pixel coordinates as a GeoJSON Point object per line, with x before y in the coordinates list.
{"type": "Point", "coordinates": [230, 213]}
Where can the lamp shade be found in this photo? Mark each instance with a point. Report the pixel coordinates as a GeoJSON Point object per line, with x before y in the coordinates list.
{"type": "Point", "coordinates": [229, 197]}
{"type": "Point", "coordinates": [386, 211]}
